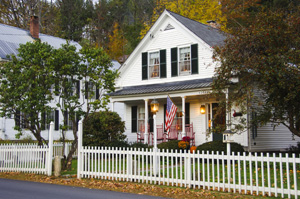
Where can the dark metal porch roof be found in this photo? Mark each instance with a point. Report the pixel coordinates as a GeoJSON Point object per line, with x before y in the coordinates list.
{"type": "Point", "coordinates": [165, 87]}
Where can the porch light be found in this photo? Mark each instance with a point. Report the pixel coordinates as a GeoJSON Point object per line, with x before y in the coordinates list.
{"type": "Point", "coordinates": [202, 109]}
{"type": "Point", "coordinates": [154, 106]}
{"type": "Point", "coordinates": [227, 136]}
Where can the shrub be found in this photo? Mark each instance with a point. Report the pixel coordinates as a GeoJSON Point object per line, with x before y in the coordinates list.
{"type": "Point", "coordinates": [173, 144]}
{"type": "Point", "coordinates": [220, 146]}
{"type": "Point", "coordinates": [139, 145]}
{"type": "Point", "coordinates": [104, 128]}
{"type": "Point", "coordinates": [294, 149]}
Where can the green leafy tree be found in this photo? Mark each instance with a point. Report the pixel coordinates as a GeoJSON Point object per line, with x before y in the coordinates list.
{"type": "Point", "coordinates": [264, 56]}
{"type": "Point", "coordinates": [91, 66]}
{"type": "Point", "coordinates": [25, 86]}
{"type": "Point", "coordinates": [103, 128]}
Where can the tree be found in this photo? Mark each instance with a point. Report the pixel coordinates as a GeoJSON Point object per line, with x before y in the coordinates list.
{"type": "Point", "coordinates": [103, 129]}
{"type": "Point", "coordinates": [91, 66]}
{"type": "Point", "coordinates": [73, 17]}
{"type": "Point", "coordinates": [198, 10]}
{"type": "Point", "coordinates": [25, 86]}
{"type": "Point", "coordinates": [117, 43]}
{"type": "Point", "coordinates": [265, 58]}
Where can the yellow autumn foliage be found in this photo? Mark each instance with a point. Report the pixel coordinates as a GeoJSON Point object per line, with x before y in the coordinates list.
{"type": "Point", "coordinates": [198, 10]}
{"type": "Point", "coordinates": [117, 42]}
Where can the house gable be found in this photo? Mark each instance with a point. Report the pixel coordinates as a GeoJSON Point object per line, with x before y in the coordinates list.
{"type": "Point", "coordinates": [152, 62]}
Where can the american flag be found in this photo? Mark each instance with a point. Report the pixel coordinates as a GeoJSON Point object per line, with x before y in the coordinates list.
{"type": "Point", "coordinates": [170, 113]}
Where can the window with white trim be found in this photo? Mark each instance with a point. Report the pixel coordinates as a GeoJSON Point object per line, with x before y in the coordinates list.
{"type": "Point", "coordinates": [154, 65]}
{"type": "Point", "coordinates": [185, 61]}
{"type": "Point", "coordinates": [141, 119]}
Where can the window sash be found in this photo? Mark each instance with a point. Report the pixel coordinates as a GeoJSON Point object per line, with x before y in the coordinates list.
{"type": "Point", "coordinates": [184, 60]}
{"type": "Point", "coordinates": [154, 65]}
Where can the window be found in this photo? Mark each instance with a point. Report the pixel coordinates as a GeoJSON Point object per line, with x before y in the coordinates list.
{"type": "Point", "coordinates": [22, 120]}
{"type": "Point", "coordinates": [91, 91]}
{"type": "Point", "coordinates": [184, 61]}
{"type": "Point", "coordinates": [154, 65]}
{"type": "Point", "coordinates": [50, 118]}
{"type": "Point", "coordinates": [68, 121]}
{"type": "Point", "coordinates": [75, 90]}
{"type": "Point", "coordinates": [141, 119]}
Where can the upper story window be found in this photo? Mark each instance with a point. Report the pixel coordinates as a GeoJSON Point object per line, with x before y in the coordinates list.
{"type": "Point", "coordinates": [154, 65]}
{"type": "Point", "coordinates": [184, 61]}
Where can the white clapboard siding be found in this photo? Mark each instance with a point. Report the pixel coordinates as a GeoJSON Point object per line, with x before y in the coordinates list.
{"type": "Point", "coordinates": [177, 37]}
{"type": "Point", "coordinates": [270, 139]}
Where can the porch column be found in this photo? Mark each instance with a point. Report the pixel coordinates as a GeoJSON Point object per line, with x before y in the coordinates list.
{"type": "Point", "coordinates": [146, 122]}
{"type": "Point", "coordinates": [183, 116]}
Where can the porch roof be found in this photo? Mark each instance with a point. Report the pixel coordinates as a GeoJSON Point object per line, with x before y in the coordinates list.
{"type": "Point", "coordinates": [164, 87]}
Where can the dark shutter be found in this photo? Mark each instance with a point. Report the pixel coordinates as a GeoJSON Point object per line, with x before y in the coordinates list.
{"type": "Point", "coordinates": [174, 64]}
{"type": "Point", "coordinates": [187, 113]}
{"type": "Point", "coordinates": [86, 90]}
{"type": "Point", "coordinates": [97, 92]}
{"type": "Point", "coordinates": [194, 50]}
{"type": "Point", "coordinates": [17, 118]}
{"type": "Point", "coordinates": [134, 119]}
{"type": "Point", "coordinates": [43, 122]}
{"type": "Point", "coordinates": [163, 64]}
{"type": "Point", "coordinates": [56, 117]}
{"type": "Point", "coordinates": [78, 88]}
{"type": "Point", "coordinates": [144, 66]}
{"type": "Point", "coordinates": [150, 119]}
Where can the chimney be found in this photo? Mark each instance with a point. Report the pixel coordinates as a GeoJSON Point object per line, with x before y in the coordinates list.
{"type": "Point", "coordinates": [213, 24]}
{"type": "Point", "coordinates": [34, 27]}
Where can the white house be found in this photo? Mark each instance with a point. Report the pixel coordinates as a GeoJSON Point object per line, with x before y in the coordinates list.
{"type": "Point", "coordinates": [175, 58]}
{"type": "Point", "coordinates": [10, 39]}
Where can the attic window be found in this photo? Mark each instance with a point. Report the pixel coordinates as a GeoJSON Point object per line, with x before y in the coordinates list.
{"type": "Point", "coordinates": [169, 27]}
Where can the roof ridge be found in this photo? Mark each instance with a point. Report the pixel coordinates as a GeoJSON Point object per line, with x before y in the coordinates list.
{"type": "Point", "coordinates": [192, 20]}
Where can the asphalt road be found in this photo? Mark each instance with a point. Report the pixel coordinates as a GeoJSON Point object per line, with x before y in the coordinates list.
{"type": "Point", "coordinates": [15, 189]}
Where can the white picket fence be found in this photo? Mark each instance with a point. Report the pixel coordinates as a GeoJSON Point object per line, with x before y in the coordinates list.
{"type": "Point", "coordinates": [266, 175]}
{"type": "Point", "coordinates": [259, 174]}
{"type": "Point", "coordinates": [27, 157]}
{"type": "Point", "coordinates": [59, 151]}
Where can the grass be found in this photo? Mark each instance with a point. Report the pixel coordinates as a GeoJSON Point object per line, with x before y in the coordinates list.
{"type": "Point", "coordinates": [259, 172]}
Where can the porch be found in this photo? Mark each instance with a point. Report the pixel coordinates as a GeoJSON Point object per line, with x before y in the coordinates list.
{"type": "Point", "coordinates": [190, 120]}
{"type": "Point", "coordinates": [175, 133]}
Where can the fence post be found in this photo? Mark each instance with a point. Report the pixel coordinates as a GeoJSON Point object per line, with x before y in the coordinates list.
{"type": "Point", "coordinates": [50, 146]}
{"type": "Point", "coordinates": [79, 149]}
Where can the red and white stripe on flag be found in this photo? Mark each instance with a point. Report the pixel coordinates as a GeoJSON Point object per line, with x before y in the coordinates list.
{"type": "Point", "coordinates": [170, 113]}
